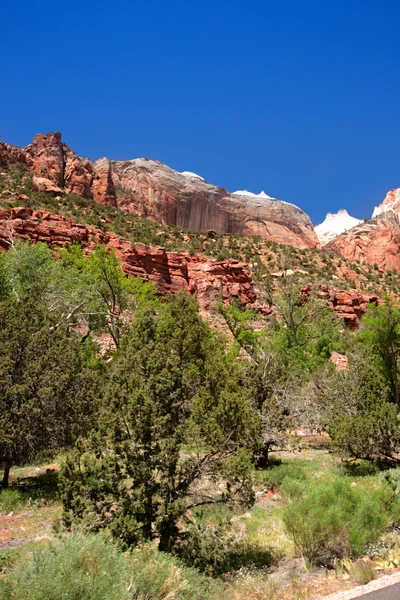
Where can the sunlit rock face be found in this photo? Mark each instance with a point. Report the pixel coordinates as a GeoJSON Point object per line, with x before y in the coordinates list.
{"type": "Point", "coordinates": [334, 225]}
{"type": "Point", "coordinates": [375, 242]}
{"type": "Point", "coordinates": [187, 200]}
{"type": "Point", "coordinates": [150, 188]}
{"type": "Point", "coordinates": [390, 203]}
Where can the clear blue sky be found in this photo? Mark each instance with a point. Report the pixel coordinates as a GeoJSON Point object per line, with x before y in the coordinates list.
{"type": "Point", "coordinates": [300, 98]}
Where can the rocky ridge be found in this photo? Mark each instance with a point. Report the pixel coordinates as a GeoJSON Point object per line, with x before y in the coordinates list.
{"type": "Point", "coordinates": [375, 242]}
{"type": "Point", "coordinates": [151, 189]}
{"type": "Point", "coordinates": [390, 203]}
{"type": "Point", "coordinates": [170, 271]}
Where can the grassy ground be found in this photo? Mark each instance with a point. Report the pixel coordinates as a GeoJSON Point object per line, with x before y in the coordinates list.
{"type": "Point", "coordinates": [30, 507]}
{"type": "Point", "coordinates": [267, 564]}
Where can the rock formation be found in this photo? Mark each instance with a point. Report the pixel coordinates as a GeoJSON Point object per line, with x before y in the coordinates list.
{"type": "Point", "coordinates": [349, 305]}
{"type": "Point", "coordinates": [334, 225]}
{"type": "Point", "coordinates": [151, 189]}
{"type": "Point", "coordinates": [171, 271]}
{"type": "Point", "coordinates": [391, 202]}
{"type": "Point", "coordinates": [186, 200]}
{"type": "Point", "coordinates": [374, 242]}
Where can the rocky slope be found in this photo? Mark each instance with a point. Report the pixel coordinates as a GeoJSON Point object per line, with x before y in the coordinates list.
{"type": "Point", "coordinates": [151, 189]}
{"type": "Point", "coordinates": [376, 242]}
{"type": "Point", "coordinates": [390, 203]}
{"type": "Point", "coordinates": [208, 279]}
{"type": "Point", "coordinates": [171, 271]}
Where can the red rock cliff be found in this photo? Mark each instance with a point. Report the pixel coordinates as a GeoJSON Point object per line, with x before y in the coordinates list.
{"type": "Point", "coordinates": [151, 189]}
{"type": "Point", "coordinates": [374, 242]}
{"type": "Point", "coordinates": [171, 271]}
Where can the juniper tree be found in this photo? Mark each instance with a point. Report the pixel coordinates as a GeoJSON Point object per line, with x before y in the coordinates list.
{"type": "Point", "coordinates": [175, 413]}
{"type": "Point", "coordinates": [47, 391]}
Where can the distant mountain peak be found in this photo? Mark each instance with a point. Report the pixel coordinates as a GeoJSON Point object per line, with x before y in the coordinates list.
{"type": "Point", "coordinates": [334, 225]}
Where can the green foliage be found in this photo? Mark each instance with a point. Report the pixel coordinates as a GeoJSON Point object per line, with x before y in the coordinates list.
{"type": "Point", "coordinates": [91, 291]}
{"type": "Point", "coordinates": [332, 518]}
{"type": "Point", "coordinates": [365, 435]}
{"type": "Point", "coordinates": [361, 420]}
{"type": "Point", "coordinates": [47, 393]}
{"type": "Point", "coordinates": [380, 331]}
{"type": "Point", "coordinates": [10, 500]}
{"type": "Point", "coordinates": [174, 412]}
{"type": "Point", "coordinates": [363, 572]}
{"type": "Point", "coordinates": [207, 547]}
{"type": "Point", "coordinates": [294, 345]}
{"type": "Point", "coordinates": [92, 568]}
{"type": "Point", "coordinates": [72, 567]}
{"type": "Point", "coordinates": [159, 576]}
{"type": "Point", "coordinates": [274, 476]}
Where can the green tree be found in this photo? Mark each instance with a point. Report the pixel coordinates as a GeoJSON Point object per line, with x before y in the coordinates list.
{"type": "Point", "coordinates": [380, 331]}
{"type": "Point", "coordinates": [360, 416]}
{"type": "Point", "coordinates": [174, 414]}
{"type": "Point", "coordinates": [47, 392]}
{"type": "Point", "coordinates": [91, 291]}
{"type": "Point", "coordinates": [296, 342]}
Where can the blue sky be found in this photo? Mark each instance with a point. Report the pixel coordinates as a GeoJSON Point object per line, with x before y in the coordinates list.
{"type": "Point", "coordinates": [299, 98]}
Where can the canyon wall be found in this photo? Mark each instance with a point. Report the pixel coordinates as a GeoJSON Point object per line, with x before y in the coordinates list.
{"type": "Point", "coordinates": [153, 190]}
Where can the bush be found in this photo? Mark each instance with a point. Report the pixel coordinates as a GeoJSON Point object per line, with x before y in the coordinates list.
{"type": "Point", "coordinates": [392, 476]}
{"type": "Point", "coordinates": [332, 518]}
{"type": "Point", "coordinates": [274, 477]}
{"type": "Point", "coordinates": [363, 572]}
{"type": "Point", "coordinates": [368, 434]}
{"type": "Point", "coordinates": [160, 576]}
{"type": "Point", "coordinates": [92, 568]}
{"type": "Point", "coordinates": [10, 500]}
{"type": "Point", "coordinates": [73, 567]}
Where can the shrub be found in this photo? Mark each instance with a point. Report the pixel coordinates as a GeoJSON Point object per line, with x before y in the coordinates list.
{"type": "Point", "coordinates": [366, 434]}
{"type": "Point", "coordinates": [160, 576]}
{"type": "Point", "coordinates": [92, 568]}
{"type": "Point", "coordinates": [73, 567]}
{"type": "Point", "coordinates": [10, 500]}
{"type": "Point", "coordinates": [274, 477]}
{"type": "Point", "coordinates": [207, 546]}
{"type": "Point", "coordinates": [363, 571]}
{"type": "Point", "coordinates": [332, 518]}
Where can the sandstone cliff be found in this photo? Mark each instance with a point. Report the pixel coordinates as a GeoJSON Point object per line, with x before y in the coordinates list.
{"type": "Point", "coordinates": [375, 242]}
{"type": "Point", "coordinates": [390, 203]}
{"type": "Point", "coordinates": [151, 189]}
{"type": "Point", "coordinates": [170, 271]}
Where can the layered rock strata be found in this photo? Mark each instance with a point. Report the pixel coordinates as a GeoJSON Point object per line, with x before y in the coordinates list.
{"type": "Point", "coordinates": [171, 271]}
{"type": "Point", "coordinates": [153, 190]}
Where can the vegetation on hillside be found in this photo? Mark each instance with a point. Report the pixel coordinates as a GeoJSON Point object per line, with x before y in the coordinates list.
{"type": "Point", "coordinates": [168, 430]}
{"type": "Point", "coordinates": [263, 258]}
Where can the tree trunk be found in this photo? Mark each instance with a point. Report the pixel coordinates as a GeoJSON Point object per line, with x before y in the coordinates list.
{"type": "Point", "coordinates": [396, 383]}
{"type": "Point", "coordinates": [261, 460]}
{"type": "Point", "coordinates": [168, 534]}
{"type": "Point", "coordinates": [7, 467]}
